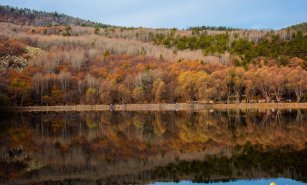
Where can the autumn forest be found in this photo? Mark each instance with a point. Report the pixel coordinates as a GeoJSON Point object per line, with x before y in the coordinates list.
{"type": "Point", "coordinates": [54, 59]}
{"type": "Point", "coordinates": [151, 92]}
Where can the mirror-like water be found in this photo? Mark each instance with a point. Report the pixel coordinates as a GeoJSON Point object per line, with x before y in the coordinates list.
{"type": "Point", "coordinates": [210, 146]}
{"type": "Point", "coordinates": [279, 181]}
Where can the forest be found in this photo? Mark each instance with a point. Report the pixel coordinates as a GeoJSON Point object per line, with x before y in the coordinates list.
{"type": "Point", "coordinates": [68, 62]}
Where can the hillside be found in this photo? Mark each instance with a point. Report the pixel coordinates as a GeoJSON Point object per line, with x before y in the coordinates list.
{"type": "Point", "coordinates": [24, 16]}
{"type": "Point", "coordinates": [82, 62]}
{"type": "Point", "coordinates": [298, 27]}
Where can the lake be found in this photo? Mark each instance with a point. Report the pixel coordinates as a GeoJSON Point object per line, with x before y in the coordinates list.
{"type": "Point", "coordinates": [154, 147]}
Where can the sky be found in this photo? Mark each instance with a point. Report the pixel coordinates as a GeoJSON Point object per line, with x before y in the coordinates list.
{"type": "Point", "coordinates": [250, 14]}
{"type": "Point", "coordinates": [278, 181]}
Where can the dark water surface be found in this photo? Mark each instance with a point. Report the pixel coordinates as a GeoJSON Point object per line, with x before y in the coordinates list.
{"type": "Point", "coordinates": [210, 146]}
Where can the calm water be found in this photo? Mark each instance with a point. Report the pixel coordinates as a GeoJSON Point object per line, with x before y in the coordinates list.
{"type": "Point", "coordinates": [279, 181]}
{"type": "Point", "coordinates": [206, 147]}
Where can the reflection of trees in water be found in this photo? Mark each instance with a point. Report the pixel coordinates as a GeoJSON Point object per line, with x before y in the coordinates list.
{"type": "Point", "coordinates": [299, 117]}
{"type": "Point", "coordinates": [150, 125]}
{"type": "Point", "coordinates": [246, 162]}
{"type": "Point", "coordinates": [279, 117]}
{"type": "Point", "coordinates": [274, 117]}
{"type": "Point", "coordinates": [267, 118]}
{"type": "Point", "coordinates": [72, 140]}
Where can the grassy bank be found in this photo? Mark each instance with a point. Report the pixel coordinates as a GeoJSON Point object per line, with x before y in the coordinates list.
{"type": "Point", "coordinates": [261, 106]}
{"type": "Point", "coordinates": [159, 107]}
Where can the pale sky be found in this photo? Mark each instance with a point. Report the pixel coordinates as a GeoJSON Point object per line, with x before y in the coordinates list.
{"type": "Point", "coordinates": [253, 14]}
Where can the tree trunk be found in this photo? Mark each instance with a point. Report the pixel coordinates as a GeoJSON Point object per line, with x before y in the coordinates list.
{"type": "Point", "coordinates": [21, 99]}
{"type": "Point", "coordinates": [298, 94]}
{"type": "Point", "coordinates": [238, 97]}
{"type": "Point", "coordinates": [266, 93]}
{"type": "Point", "coordinates": [278, 93]}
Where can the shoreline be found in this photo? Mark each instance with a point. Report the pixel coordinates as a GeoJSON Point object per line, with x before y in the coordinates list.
{"type": "Point", "coordinates": [154, 107]}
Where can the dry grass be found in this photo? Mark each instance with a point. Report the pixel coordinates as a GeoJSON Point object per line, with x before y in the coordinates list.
{"type": "Point", "coordinates": [131, 42]}
{"type": "Point", "coordinates": [100, 44]}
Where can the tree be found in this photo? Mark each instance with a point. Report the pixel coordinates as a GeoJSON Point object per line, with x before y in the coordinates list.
{"type": "Point", "coordinates": [64, 78]}
{"type": "Point", "coordinates": [263, 80]}
{"type": "Point", "coordinates": [147, 82]}
{"type": "Point", "coordinates": [77, 59]}
{"type": "Point", "coordinates": [91, 81]}
{"type": "Point", "coordinates": [296, 81]}
{"type": "Point", "coordinates": [244, 49]}
{"type": "Point", "coordinates": [91, 95]}
{"type": "Point", "coordinates": [278, 81]}
{"type": "Point", "coordinates": [105, 92]}
{"type": "Point", "coordinates": [67, 31]}
{"type": "Point", "coordinates": [56, 95]}
{"type": "Point", "coordinates": [237, 75]}
{"type": "Point", "coordinates": [138, 94]}
{"type": "Point", "coordinates": [186, 88]}
{"type": "Point", "coordinates": [21, 87]}
{"type": "Point", "coordinates": [159, 90]}
{"type": "Point", "coordinates": [189, 84]}
{"type": "Point", "coordinates": [124, 93]}
{"type": "Point", "coordinates": [38, 85]}
{"type": "Point", "coordinates": [250, 86]}
{"type": "Point", "coordinates": [217, 88]}
{"type": "Point", "coordinates": [97, 30]}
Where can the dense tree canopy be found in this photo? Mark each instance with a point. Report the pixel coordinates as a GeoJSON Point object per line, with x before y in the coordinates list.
{"type": "Point", "coordinates": [145, 80]}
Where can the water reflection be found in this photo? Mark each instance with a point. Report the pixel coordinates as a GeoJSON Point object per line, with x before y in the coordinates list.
{"type": "Point", "coordinates": [144, 147]}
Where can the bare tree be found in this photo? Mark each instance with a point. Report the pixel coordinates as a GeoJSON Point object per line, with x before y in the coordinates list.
{"type": "Point", "coordinates": [296, 81]}
{"type": "Point", "coordinates": [64, 78]}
